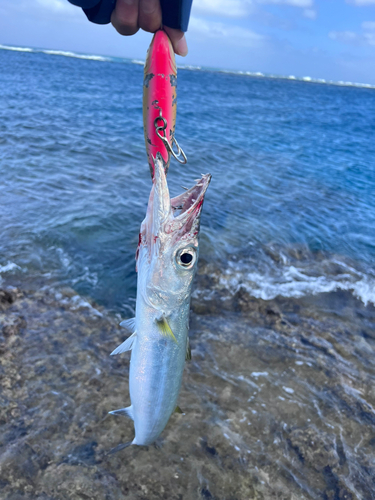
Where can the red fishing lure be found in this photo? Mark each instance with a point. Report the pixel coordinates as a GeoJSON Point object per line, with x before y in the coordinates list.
{"type": "Point", "coordinates": [160, 101]}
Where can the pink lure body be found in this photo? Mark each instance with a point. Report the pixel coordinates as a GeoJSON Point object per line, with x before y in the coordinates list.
{"type": "Point", "coordinates": [159, 98]}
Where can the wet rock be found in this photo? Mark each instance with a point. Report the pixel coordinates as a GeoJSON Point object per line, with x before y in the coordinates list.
{"type": "Point", "coordinates": [8, 296]}
{"type": "Point", "coordinates": [316, 449]}
{"type": "Point", "coordinates": [14, 326]}
{"type": "Point", "coordinates": [83, 454]}
{"type": "Point", "coordinates": [277, 399]}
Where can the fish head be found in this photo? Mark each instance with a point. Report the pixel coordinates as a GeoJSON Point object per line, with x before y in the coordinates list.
{"type": "Point", "coordinates": [168, 245]}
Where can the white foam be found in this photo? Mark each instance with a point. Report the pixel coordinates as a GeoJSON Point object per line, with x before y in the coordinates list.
{"type": "Point", "coordinates": [91, 57]}
{"type": "Point", "coordinates": [79, 303]}
{"type": "Point", "coordinates": [190, 68]}
{"type": "Point", "coordinates": [364, 290]}
{"type": "Point", "coordinates": [259, 374]}
{"type": "Point", "coordinates": [289, 390]}
{"type": "Point", "coordinates": [11, 266]}
{"type": "Point", "coordinates": [297, 285]}
{"type": "Point", "coordinates": [137, 61]}
{"type": "Point", "coordinates": [289, 281]}
{"type": "Point", "coordinates": [75, 55]}
{"type": "Point", "coordinates": [17, 49]}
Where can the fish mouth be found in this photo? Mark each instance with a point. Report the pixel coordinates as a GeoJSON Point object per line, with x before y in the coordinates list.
{"type": "Point", "coordinates": [176, 218]}
{"type": "Point", "coordinates": [191, 199]}
{"type": "Point", "coordinates": [186, 210]}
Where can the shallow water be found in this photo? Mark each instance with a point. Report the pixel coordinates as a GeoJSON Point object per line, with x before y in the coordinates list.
{"type": "Point", "coordinates": [292, 167]}
{"type": "Point", "coordinates": [279, 397]}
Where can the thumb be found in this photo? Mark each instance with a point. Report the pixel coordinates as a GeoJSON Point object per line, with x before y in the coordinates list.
{"type": "Point", "coordinates": [178, 41]}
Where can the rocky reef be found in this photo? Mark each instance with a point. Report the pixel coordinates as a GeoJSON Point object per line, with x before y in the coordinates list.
{"type": "Point", "coordinates": [278, 401]}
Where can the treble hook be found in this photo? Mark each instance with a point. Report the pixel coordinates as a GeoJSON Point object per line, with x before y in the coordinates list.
{"type": "Point", "coordinates": [177, 155]}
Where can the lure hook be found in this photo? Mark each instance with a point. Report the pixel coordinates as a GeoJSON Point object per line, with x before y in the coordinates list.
{"type": "Point", "coordinates": [179, 155]}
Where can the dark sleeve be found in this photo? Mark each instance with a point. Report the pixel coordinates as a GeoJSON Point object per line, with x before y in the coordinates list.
{"type": "Point", "coordinates": [175, 13]}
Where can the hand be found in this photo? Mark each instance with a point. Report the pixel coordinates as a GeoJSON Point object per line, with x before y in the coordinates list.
{"type": "Point", "coordinates": [130, 15]}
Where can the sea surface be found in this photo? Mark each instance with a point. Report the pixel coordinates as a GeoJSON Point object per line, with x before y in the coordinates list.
{"type": "Point", "coordinates": [290, 210]}
{"type": "Point", "coordinates": [279, 397]}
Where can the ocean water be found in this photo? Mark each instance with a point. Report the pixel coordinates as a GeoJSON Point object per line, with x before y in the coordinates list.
{"type": "Point", "coordinates": [290, 210]}
{"type": "Point", "coordinates": [279, 395]}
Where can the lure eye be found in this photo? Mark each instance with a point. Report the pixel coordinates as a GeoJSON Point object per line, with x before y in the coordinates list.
{"type": "Point", "coordinates": [186, 257]}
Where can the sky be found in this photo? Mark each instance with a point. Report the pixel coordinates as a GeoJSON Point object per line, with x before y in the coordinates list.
{"type": "Point", "coordinates": [328, 39]}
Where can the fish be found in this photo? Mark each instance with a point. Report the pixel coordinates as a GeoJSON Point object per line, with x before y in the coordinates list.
{"type": "Point", "coordinates": [166, 262]}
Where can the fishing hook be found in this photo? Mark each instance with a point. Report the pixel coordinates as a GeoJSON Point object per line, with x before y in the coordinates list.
{"type": "Point", "coordinates": [161, 128]}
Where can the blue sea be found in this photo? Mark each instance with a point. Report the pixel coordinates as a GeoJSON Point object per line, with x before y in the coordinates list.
{"type": "Point", "coordinates": [290, 211]}
{"type": "Point", "coordinates": [279, 396]}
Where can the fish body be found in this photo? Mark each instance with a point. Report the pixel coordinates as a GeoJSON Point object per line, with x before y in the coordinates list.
{"type": "Point", "coordinates": [156, 368]}
{"type": "Point", "coordinates": [167, 257]}
{"type": "Point", "coordinates": [159, 98]}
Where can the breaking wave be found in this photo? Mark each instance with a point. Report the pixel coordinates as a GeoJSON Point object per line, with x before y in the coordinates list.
{"type": "Point", "coordinates": [257, 74]}
{"type": "Point", "coordinates": [10, 266]}
{"type": "Point", "coordinates": [268, 278]}
{"type": "Point", "coordinates": [73, 54]}
{"type": "Point", "coordinates": [294, 283]}
{"type": "Point", "coordinates": [17, 49]}
{"type": "Point", "coordinates": [137, 61]}
{"type": "Point", "coordinates": [76, 55]}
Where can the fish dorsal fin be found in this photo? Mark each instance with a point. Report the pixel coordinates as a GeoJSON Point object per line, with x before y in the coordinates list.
{"type": "Point", "coordinates": [129, 324]}
{"type": "Point", "coordinates": [164, 328]}
{"type": "Point", "coordinates": [125, 346]}
{"type": "Point", "coordinates": [128, 412]}
{"type": "Point", "coordinates": [188, 350]}
{"type": "Point", "coordinates": [178, 410]}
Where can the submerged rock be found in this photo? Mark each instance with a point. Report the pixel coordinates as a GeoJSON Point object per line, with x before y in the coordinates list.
{"type": "Point", "coordinates": [278, 402]}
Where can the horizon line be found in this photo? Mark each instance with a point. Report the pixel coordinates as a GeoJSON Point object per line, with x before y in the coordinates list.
{"type": "Point", "coordinates": [122, 60]}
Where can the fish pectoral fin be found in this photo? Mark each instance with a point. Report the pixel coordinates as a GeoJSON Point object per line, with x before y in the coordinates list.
{"type": "Point", "coordinates": [165, 329]}
{"type": "Point", "coordinates": [127, 345]}
{"type": "Point", "coordinates": [129, 324]}
{"type": "Point", "coordinates": [128, 412]}
{"type": "Point", "coordinates": [188, 350]}
{"type": "Point", "coordinates": [178, 410]}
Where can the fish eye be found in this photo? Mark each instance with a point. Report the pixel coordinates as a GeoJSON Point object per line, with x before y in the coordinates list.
{"type": "Point", "coordinates": [186, 257]}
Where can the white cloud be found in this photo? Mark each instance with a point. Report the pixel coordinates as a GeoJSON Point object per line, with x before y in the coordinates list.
{"type": "Point", "coordinates": [344, 36]}
{"type": "Point", "coordinates": [241, 8]}
{"type": "Point", "coordinates": [303, 4]}
{"type": "Point", "coordinates": [225, 8]}
{"type": "Point", "coordinates": [58, 6]}
{"type": "Point", "coordinates": [368, 26]}
{"type": "Point", "coordinates": [53, 10]}
{"type": "Point", "coordinates": [310, 13]}
{"type": "Point", "coordinates": [367, 37]}
{"type": "Point", "coordinates": [361, 2]}
{"type": "Point", "coordinates": [220, 30]}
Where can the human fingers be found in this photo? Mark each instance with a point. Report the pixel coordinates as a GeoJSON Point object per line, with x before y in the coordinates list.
{"type": "Point", "coordinates": [149, 15]}
{"type": "Point", "coordinates": [178, 41]}
{"type": "Point", "coordinates": [124, 18]}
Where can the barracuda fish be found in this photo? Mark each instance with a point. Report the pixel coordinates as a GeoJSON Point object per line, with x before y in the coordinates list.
{"type": "Point", "coordinates": [167, 257]}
